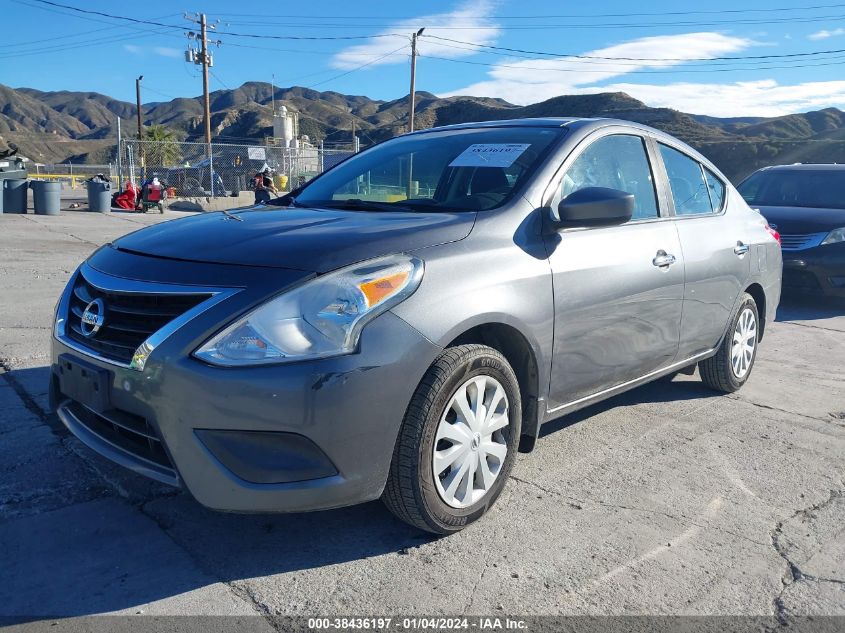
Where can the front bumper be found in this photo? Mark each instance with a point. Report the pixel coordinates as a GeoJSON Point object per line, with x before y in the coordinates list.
{"type": "Point", "coordinates": [815, 271]}
{"type": "Point", "coordinates": [294, 437]}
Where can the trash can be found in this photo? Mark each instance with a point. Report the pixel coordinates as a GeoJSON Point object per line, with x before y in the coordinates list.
{"type": "Point", "coordinates": [47, 195]}
{"type": "Point", "coordinates": [14, 195]}
{"type": "Point", "coordinates": [99, 194]}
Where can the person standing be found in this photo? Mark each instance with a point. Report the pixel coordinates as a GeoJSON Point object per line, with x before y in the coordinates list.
{"type": "Point", "coordinates": [264, 187]}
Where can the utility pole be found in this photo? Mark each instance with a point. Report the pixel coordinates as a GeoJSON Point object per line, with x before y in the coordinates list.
{"type": "Point", "coordinates": [202, 58]}
{"type": "Point", "coordinates": [138, 100]}
{"type": "Point", "coordinates": [414, 37]}
{"type": "Point", "coordinates": [205, 60]}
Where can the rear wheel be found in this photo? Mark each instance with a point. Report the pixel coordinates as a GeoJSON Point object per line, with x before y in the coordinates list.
{"type": "Point", "coordinates": [457, 442]}
{"type": "Point", "coordinates": [729, 369]}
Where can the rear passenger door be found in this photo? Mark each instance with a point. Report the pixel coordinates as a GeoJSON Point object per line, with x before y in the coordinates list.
{"type": "Point", "coordinates": [618, 290]}
{"type": "Point", "coordinates": [715, 259]}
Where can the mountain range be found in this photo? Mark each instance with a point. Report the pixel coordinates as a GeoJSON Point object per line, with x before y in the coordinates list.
{"type": "Point", "coordinates": [68, 126]}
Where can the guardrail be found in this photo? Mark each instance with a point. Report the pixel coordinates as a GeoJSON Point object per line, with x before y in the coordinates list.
{"type": "Point", "coordinates": [72, 178]}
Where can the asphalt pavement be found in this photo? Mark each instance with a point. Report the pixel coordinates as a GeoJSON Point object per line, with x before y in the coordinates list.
{"type": "Point", "coordinates": [668, 500]}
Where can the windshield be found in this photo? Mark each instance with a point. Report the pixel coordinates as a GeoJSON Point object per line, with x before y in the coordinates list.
{"type": "Point", "coordinates": [815, 188]}
{"type": "Point", "coordinates": [449, 170]}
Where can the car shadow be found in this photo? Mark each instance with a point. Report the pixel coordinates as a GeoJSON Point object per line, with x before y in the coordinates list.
{"type": "Point", "coordinates": [123, 541]}
{"type": "Point", "coordinates": [137, 542]}
{"type": "Point", "coordinates": [809, 308]}
{"type": "Point", "coordinates": [662, 390]}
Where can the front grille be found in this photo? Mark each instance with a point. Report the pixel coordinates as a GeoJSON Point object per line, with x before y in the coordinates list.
{"type": "Point", "coordinates": [130, 317]}
{"type": "Point", "coordinates": [800, 242]}
{"type": "Point", "coordinates": [127, 431]}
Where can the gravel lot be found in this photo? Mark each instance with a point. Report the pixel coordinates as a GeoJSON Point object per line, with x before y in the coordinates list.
{"type": "Point", "coordinates": [667, 500]}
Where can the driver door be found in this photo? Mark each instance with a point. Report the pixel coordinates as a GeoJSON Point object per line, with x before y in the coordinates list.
{"type": "Point", "coordinates": [617, 302]}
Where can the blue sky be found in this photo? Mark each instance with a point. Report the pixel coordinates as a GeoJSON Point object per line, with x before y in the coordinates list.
{"type": "Point", "coordinates": [667, 52]}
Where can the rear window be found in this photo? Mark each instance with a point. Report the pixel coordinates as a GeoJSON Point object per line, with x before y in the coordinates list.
{"type": "Point", "coordinates": [469, 169]}
{"type": "Point", "coordinates": [686, 179]}
{"type": "Point", "coordinates": [813, 188]}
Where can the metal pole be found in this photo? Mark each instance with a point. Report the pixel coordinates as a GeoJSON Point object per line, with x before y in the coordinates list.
{"type": "Point", "coordinates": [119, 159]}
{"type": "Point", "coordinates": [414, 37]}
{"type": "Point", "coordinates": [413, 82]}
{"type": "Point", "coordinates": [206, 101]}
{"type": "Point", "coordinates": [412, 106]}
{"type": "Point", "coordinates": [138, 103]}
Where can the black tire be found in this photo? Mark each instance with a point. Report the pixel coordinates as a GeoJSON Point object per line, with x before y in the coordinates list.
{"type": "Point", "coordinates": [717, 372]}
{"type": "Point", "coordinates": [410, 492]}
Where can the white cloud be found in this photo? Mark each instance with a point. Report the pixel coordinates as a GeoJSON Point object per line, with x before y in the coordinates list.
{"type": "Point", "coordinates": [164, 51]}
{"type": "Point", "coordinates": [167, 52]}
{"type": "Point", "coordinates": [745, 98]}
{"type": "Point", "coordinates": [470, 21]}
{"type": "Point", "coordinates": [824, 34]}
{"type": "Point", "coordinates": [528, 81]}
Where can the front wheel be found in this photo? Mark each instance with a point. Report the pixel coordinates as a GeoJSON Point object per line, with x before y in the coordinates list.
{"type": "Point", "coordinates": [728, 370]}
{"type": "Point", "coordinates": [457, 442]}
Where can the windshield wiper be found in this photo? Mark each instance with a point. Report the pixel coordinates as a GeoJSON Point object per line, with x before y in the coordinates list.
{"type": "Point", "coordinates": [356, 204]}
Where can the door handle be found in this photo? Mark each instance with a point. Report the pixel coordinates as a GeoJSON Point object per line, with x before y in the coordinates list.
{"type": "Point", "coordinates": [740, 249]}
{"type": "Point", "coordinates": [663, 259]}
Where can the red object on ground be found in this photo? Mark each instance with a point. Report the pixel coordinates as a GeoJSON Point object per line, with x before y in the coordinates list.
{"type": "Point", "coordinates": [127, 198]}
{"type": "Point", "coordinates": [152, 193]}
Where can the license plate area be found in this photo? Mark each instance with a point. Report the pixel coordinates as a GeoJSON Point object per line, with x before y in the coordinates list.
{"type": "Point", "coordinates": [84, 382]}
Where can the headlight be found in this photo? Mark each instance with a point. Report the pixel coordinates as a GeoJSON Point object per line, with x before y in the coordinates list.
{"type": "Point", "coordinates": [836, 235]}
{"type": "Point", "coordinates": [323, 317]}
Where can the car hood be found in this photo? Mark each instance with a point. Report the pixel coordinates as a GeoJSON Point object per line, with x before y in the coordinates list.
{"type": "Point", "coordinates": [803, 220]}
{"type": "Point", "coordinates": [316, 240]}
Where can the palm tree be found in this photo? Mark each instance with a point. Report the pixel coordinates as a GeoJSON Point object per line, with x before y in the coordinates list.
{"type": "Point", "coordinates": [161, 147]}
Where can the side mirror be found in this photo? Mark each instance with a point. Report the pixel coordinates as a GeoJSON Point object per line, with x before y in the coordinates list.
{"type": "Point", "coordinates": [594, 206]}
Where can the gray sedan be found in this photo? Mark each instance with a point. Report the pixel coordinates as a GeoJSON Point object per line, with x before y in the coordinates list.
{"type": "Point", "coordinates": [402, 325]}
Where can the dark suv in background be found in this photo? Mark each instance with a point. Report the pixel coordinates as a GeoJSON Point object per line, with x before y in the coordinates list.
{"type": "Point", "coordinates": [806, 205]}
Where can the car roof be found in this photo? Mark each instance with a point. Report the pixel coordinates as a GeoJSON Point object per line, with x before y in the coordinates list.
{"type": "Point", "coordinates": [549, 122]}
{"type": "Point", "coordinates": [806, 167]}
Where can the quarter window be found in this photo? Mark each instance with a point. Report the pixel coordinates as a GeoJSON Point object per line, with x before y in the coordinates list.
{"type": "Point", "coordinates": [616, 162]}
{"type": "Point", "coordinates": [686, 178]}
{"type": "Point", "coordinates": [716, 188]}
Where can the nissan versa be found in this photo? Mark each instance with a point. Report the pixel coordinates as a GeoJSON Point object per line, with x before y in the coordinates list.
{"type": "Point", "coordinates": [401, 325]}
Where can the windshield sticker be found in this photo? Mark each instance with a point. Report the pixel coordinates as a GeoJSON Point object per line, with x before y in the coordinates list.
{"type": "Point", "coordinates": [490, 155]}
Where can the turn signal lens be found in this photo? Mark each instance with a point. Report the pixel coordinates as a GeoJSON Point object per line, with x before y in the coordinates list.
{"type": "Point", "coordinates": [378, 290]}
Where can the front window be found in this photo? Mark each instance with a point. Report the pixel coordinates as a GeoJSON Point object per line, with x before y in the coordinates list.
{"type": "Point", "coordinates": [615, 162]}
{"type": "Point", "coordinates": [470, 169]}
{"type": "Point", "coordinates": [814, 188]}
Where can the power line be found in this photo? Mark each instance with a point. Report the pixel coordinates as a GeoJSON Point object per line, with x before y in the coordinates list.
{"type": "Point", "coordinates": [570, 16]}
{"type": "Point", "coordinates": [477, 45]}
{"type": "Point", "coordinates": [631, 72]}
{"type": "Point", "coordinates": [232, 34]}
{"type": "Point", "coordinates": [456, 25]}
{"type": "Point", "coordinates": [615, 64]}
{"type": "Point", "coordinates": [71, 46]}
{"type": "Point", "coordinates": [63, 37]}
{"type": "Point", "coordinates": [220, 81]}
{"type": "Point", "coordinates": [369, 63]}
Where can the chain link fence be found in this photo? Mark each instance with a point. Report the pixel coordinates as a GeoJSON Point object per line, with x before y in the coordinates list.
{"type": "Point", "coordinates": [218, 169]}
